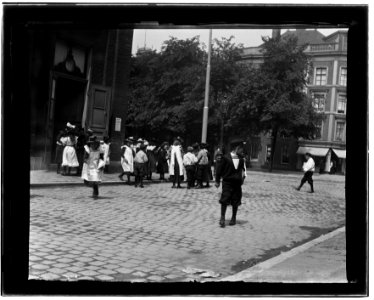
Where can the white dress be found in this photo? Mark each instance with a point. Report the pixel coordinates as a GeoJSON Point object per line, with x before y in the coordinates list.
{"type": "Point", "coordinates": [69, 156]}
{"type": "Point", "coordinates": [129, 165]}
{"type": "Point", "coordinates": [105, 149]}
{"type": "Point", "coordinates": [92, 167]}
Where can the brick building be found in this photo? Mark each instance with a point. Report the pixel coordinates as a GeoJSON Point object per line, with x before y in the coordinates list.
{"type": "Point", "coordinates": [81, 77]}
{"type": "Point", "coordinates": [327, 88]}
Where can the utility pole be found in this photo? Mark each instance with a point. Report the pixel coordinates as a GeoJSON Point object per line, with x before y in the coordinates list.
{"type": "Point", "coordinates": [206, 100]}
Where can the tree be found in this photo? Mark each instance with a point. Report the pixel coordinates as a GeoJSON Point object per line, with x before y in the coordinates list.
{"type": "Point", "coordinates": [283, 106]}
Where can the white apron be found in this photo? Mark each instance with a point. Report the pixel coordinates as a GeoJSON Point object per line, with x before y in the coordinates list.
{"type": "Point", "coordinates": [176, 152]}
{"type": "Point", "coordinates": [129, 165]}
{"type": "Point", "coordinates": [69, 156]}
{"type": "Point", "coordinates": [90, 170]}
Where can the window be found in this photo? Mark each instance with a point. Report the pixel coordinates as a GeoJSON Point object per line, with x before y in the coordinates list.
{"type": "Point", "coordinates": [343, 76]}
{"type": "Point", "coordinates": [319, 100]}
{"type": "Point", "coordinates": [339, 131]}
{"type": "Point", "coordinates": [285, 159]}
{"type": "Point", "coordinates": [321, 76]}
{"type": "Point", "coordinates": [268, 153]}
{"type": "Point", "coordinates": [342, 104]}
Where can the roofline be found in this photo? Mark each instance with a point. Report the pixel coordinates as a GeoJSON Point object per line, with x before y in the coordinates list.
{"type": "Point", "coordinates": [334, 33]}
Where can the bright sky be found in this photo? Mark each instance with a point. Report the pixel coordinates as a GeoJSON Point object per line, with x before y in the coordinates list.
{"type": "Point", "coordinates": [154, 38]}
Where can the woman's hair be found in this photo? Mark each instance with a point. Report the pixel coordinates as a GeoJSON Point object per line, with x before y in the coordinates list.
{"type": "Point", "coordinates": [176, 143]}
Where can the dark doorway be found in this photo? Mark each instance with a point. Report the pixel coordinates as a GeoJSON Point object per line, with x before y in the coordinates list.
{"type": "Point", "coordinates": [69, 105]}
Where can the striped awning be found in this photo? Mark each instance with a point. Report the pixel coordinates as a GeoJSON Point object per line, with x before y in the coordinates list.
{"type": "Point", "coordinates": [313, 150]}
{"type": "Point", "coordinates": [339, 153]}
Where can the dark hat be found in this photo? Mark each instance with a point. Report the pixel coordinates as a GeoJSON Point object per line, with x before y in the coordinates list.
{"type": "Point", "coordinates": [92, 139]}
{"type": "Point", "coordinates": [203, 145]}
{"type": "Point", "coordinates": [308, 153]}
{"type": "Point", "coordinates": [140, 140]}
{"type": "Point", "coordinates": [164, 144]}
{"type": "Point", "coordinates": [237, 142]}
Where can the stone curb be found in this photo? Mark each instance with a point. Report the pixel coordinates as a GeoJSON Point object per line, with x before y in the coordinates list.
{"type": "Point", "coordinates": [266, 265]}
{"type": "Point", "coordinates": [80, 183]}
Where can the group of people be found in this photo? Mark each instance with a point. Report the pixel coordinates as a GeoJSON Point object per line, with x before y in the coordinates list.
{"type": "Point", "coordinates": [141, 158]}
{"type": "Point", "coordinates": [70, 149]}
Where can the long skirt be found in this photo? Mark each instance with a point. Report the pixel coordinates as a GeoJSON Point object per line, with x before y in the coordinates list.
{"type": "Point", "coordinates": [231, 193]}
{"type": "Point", "coordinates": [69, 157]}
{"type": "Point", "coordinates": [202, 174]}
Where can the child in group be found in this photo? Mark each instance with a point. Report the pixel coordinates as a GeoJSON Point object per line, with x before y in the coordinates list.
{"type": "Point", "coordinates": [189, 162]}
{"type": "Point", "coordinates": [93, 165]}
{"type": "Point", "coordinates": [127, 159]}
{"type": "Point", "coordinates": [105, 146]}
{"type": "Point", "coordinates": [139, 165]}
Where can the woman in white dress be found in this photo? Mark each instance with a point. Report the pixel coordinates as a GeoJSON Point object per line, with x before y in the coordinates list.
{"type": "Point", "coordinates": [127, 160]}
{"type": "Point", "coordinates": [69, 156]}
{"type": "Point", "coordinates": [93, 165]}
{"type": "Point", "coordinates": [176, 164]}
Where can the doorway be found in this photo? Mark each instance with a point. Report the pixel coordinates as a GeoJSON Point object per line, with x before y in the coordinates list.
{"type": "Point", "coordinates": [69, 97]}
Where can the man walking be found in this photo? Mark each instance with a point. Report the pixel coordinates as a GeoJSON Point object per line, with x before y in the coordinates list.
{"type": "Point", "coordinates": [231, 168]}
{"type": "Point", "coordinates": [308, 168]}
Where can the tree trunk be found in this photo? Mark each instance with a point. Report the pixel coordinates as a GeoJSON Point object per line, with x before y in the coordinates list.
{"type": "Point", "coordinates": [222, 132]}
{"type": "Point", "coordinates": [273, 144]}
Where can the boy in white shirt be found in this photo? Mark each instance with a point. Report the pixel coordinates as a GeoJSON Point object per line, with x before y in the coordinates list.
{"type": "Point", "coordinates": [308, 168]}
{"type": "Point", "coordinates": [189, 162]}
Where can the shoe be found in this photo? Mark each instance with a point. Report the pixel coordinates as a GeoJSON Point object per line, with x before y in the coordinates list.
{"type": "Point", "coordinates": [222, 223]}
{"type": "Point", "coordinates": [142, 186]}
{"type": "Point", "coordinates": [311, 192]}
{"type": "Point", "coordinates": [120, 177]}
{"type": "Point", "coordinates": [136, 185]}
{"type": "Point", "coordinates": [188, 188]}
{"type": "Point", "coordinates": [198, 187]}
{"type": "Point", "coordinates": [179, 187]}
{"type": "Point", "coordinates": [173, 187]}
{"type": "Point", "coordinates": [297, 189]}
{"type": "Point", "coordinates": [232, 222]}
{"type": "Point", "coordinates": [207, 186]}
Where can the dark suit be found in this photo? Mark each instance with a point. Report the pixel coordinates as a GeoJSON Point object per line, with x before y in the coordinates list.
{"type": "Point", "coordinates": [232, 180]}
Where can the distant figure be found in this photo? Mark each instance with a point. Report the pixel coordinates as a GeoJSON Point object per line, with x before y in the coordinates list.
{"type": "Point", "coordinates": [127, 159]}
{"type": "Point", "coordinates": [308, 168]}
{"type": "Point", "coordinates": [189, 162]}
{"type": "Point", "coordinates": [93, 165]}
{"type": "Point", "coordinates": [321, 166]}
{"type": "Point", "coordinates": [151, 165]}
{"type": "Point", "coordinates": [105, 147]}
{"type": "Point", "coordinates": [203, 174]}
{"type": "Point", "coordinates": [231, 168]}
{"type": "Point", "coordinates": [216, 157]}
{"type": "Point", "coordinates": [69, 156]}
{"type": "Point", "coordinates": [332, 167]}
{"type": "Point", "coordinates": [81, 142]}
{"type": "Point", "coordinates": [140, 161]}
{"type": "Point", "coordinates": [176, 164]}
{"type": "Point", "coordinates": [59, 150]}
{"type": "Point", "coordinates": [162, 160]}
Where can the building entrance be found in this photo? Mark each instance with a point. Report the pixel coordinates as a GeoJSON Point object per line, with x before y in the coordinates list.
{"type": "Point", "coordinates": [69, 99]}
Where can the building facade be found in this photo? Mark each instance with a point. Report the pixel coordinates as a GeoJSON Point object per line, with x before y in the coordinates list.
{"type": "Point", "coordinates": [327, 87]}
{"type": "Point", "coordinates": [81, 77]}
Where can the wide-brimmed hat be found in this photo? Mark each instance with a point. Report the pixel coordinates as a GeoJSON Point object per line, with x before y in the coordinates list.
{"type": "Point", "coordinates": [92, 139]}
{"type": "Point", "coordinates": [68, 125]}
{"type": "Point", "coordinates": [237, 142]}
{"type": "Point", "coordinates": [189, 148]}
{"type": "Point", "coordinates": [164, 144]}
{"type": "Point", "coordinates": [140, 140]}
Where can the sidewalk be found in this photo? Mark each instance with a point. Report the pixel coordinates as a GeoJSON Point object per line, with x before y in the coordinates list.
{"type": "Point", "coordinates": [46, 178]}
{"type": "Point", "coordinates": [321, 260]}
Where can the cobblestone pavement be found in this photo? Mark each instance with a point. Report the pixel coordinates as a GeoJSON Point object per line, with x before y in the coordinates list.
{"type": "Point", "coordinates": [163, 234]}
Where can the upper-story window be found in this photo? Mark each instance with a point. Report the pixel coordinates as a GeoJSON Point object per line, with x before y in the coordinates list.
{"type": "Point", "coordinates": [321, 76]}
{"type": "Point", "coordinates": [339, 131]}
{"type": "Point", "coordinates": [343, 76]}
{"type": "Point", "coordinates": [319, 100]}
{"type": "Point", "coordinates": [342, 104]}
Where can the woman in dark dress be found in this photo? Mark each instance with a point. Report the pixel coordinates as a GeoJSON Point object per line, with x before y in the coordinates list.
{"type": "Point", "coordinates": [162, 161]}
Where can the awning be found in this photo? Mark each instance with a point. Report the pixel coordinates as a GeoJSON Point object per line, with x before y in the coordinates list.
{"type": "Point", "coordinates": [339, 153]}
{"type": "Point", "coordinates": [313, 150]}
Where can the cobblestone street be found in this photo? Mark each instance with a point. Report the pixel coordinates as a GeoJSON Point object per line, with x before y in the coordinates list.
{"type": "Point", "coordinates": [163, 234]}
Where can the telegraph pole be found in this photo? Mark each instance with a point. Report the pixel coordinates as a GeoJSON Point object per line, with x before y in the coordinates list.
{"type": "Point", "coordinates": [206, 100]}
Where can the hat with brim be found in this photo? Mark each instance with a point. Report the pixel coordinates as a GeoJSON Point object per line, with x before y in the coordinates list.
{"type": "Point", "coordinates": [237, 142]}
{"type": "Point", "coordinates": [68, 125]}
{"type": "Point", "coordinates": [92, 139]}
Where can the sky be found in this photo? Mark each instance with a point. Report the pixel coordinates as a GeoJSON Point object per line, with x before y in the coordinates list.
{"type": "Point", "coordinates": [154, 38]}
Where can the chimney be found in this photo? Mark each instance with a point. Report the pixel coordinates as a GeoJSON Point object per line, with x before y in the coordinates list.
{"type": "Point", "coordinates": [276, 33]}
